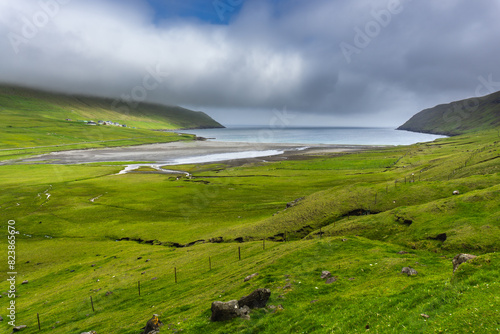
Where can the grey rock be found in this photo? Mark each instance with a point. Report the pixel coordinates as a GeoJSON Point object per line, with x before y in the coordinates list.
{"type": "Point", "coordinates": [409, 271]}
{"type": "Point", "coordinates": [325, 274]}
{"type": "Point", "coordinates": [461, 258]}
{"type": "Point", "coordinates": [330, 280]}
{"type": "Point", "coordinates": [249, 277]}
{"type": "Point", "coordinates": [18, 328]}
{"type": "Point", "coordinates": [257, 299]}
{"type": "Point", "coordinates": [293, 203]}
{"type": "Point", "coordinates": [223, 311]}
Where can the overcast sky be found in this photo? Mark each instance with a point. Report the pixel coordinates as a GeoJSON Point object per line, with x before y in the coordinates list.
{"type": "Point", "coordinates": [326, 62]}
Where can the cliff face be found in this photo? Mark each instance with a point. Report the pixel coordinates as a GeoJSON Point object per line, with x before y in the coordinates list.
{"type": "Point", "coordinates": [457, 117]}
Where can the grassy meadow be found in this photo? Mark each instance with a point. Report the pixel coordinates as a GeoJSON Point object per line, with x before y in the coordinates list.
{"type": "Point", "coordinates": [87, 232]}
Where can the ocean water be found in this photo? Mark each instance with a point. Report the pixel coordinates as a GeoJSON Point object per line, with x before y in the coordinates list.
{"type": "Point", "coordinates": [308, 135]}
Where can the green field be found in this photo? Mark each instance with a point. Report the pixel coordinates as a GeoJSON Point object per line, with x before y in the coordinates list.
{"type": "Point", "coordinates": [357, 212]}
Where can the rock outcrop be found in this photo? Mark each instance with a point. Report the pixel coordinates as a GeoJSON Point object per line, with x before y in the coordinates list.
{"type": "Point", "coordinates": [325, 274]}
{"type": "Point", "coordinates": [18, 328]}
{"type": "Point", "coordinates": [409, 271]}
{"type": "Point", "coordinates": [223, 311]}
{"type": "Point", "coordinates": [249, 277]}
{"type": "Point", "coordinates": [153, 325]}
{"type": "Point", "coordinates": [257, 299]}
{"type": "Point", "coordinates": [461, 258]}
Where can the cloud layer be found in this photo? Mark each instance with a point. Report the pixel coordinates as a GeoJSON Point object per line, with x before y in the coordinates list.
{"type": "Point", "coordinates": [330, 62]}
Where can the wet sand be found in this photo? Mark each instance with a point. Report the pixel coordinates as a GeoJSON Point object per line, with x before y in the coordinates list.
{"type": "Point", "coordinates": [171, 153]}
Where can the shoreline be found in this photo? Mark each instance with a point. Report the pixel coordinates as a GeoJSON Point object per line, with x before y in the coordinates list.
{"type": "Point", "coordinates": [168, 153]}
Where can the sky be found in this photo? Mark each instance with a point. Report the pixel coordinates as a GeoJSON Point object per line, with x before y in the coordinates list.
{"type": "Point", "coordinates": [258, 62]}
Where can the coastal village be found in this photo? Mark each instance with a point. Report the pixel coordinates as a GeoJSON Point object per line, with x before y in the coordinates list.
{"type": "Point", "coordinates": [109, 123]}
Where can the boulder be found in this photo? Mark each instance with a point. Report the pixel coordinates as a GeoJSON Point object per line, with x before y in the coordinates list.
{"type": "Point", "coordinates": [409, 271]}
{"type": "Point", "coordinates": [223, 311]}
{"type": "Point", "coordinates": [249, 277]}
{"type": "Point", "coordinates": [153, 325]}
{"type": "Point", "coordinates": [325, 274]}
{"type": "Point", "coordinates": [456, 192]}
{"type": "Point", "coordinates": [461, 258]}
{"type": "Point", "coordinates": [293, 203]}
{"type": "Point", "coordinates": [257, 299]}
{"type": "Point", "coordinates": [18, 328]}
{"type": "Point", "coordinates": [330, 280]}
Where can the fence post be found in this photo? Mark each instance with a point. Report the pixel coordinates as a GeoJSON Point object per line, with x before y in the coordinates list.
{"type": "Point", "coordinates": [38, 318]}
{"type": "Point", "coordinates": [139, 287]}
{"type": "Point", "coordinates": [209, 263]}
{"type": "Point", "coordinates": [92, 303]}
{"type": "Point", "coordinates": [239, 253]}
{"type": "Point", "coordinates": [175, 274]}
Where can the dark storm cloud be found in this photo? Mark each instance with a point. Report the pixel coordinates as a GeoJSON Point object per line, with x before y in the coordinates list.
{"type": "Point", "coordinates": [369, 62]}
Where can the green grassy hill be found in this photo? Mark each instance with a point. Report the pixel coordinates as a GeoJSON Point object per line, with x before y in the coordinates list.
{"type": "Point", "coordinates": [35, 122]}
{"type": "Point", "coordinates": [458, 117]}
{"type": "Point", "coordinates": [364, 216]}
{"type": "Point", "coordinates": [54, 106]}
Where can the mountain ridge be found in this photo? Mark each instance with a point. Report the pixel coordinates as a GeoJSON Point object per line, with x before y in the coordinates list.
{"type": "Point", "coordinates": [458, 117]}
{"type": "Point", "coordinates": [144, 115]}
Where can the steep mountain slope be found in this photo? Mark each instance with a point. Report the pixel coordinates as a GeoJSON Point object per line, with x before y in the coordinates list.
{"type": "Point", "coordinates": [458, 117]}
{"type": "Point", "coordinates": [28, 102]}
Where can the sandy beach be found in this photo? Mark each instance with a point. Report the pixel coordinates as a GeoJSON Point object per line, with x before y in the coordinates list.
{"type": "Point", "coordinates": [190, 152]}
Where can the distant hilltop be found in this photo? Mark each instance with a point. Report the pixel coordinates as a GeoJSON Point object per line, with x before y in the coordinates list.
{"type": "Point", "coordinates": [455, 118]}
{"type": "Point", "coordinates": [80, 107]}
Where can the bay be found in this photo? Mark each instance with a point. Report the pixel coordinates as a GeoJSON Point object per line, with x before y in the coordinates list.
{"type": "Point", "coordinates": [315, 135]}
